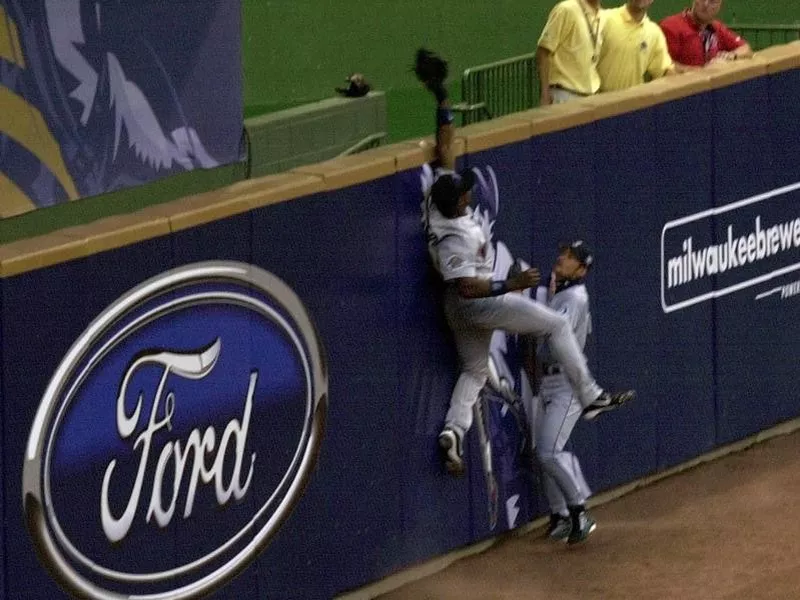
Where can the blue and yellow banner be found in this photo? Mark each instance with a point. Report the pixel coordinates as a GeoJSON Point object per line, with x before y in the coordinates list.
{"type": "Point", "coordinates": [101, 95]}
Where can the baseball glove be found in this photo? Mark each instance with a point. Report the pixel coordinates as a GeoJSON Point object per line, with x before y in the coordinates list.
{"type": "Point", "coordinates": [430, 68]}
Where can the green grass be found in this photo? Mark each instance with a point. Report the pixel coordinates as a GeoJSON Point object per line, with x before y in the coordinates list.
{"type": "Point", "coordinates": [86, 210]}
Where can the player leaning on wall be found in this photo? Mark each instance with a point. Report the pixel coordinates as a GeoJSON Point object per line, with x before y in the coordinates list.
{"type": "Point", "coordinates": [475, 304]}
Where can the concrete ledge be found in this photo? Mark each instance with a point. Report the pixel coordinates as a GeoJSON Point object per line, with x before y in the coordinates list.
{"type": "Point", "coordinates": [39, 252]}
{"type": "Point", "coordinates": [439, 563]}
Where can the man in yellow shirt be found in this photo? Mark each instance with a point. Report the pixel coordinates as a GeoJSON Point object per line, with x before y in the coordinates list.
{"type": "Point", "coordinates": [568, 51]}
{"type": "Point", "coordinates": [632, 47]}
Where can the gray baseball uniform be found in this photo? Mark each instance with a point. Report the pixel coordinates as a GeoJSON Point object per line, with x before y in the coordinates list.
{"type": "Point", "coordinates": [462, 247]}
{"type": "Point", "coordinates": [560, 409]}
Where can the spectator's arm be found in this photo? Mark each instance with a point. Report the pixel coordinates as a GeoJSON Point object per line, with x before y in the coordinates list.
{"type": "Point", "coordinates": [732, 44]}
{"type": "Point", "coordinates": [543, 67]}
{"type": "Point", "coordinates": [554, 31]}
{"type": "Point", "coordinates": [661, 62]}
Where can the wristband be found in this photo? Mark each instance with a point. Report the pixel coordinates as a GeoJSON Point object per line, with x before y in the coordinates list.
{"type": "Point", "coordinates": [444, 116]}
{"type": "Point", "coordinates": [498, 288]}
{"type": "Point", "coordinates": [439, 91]}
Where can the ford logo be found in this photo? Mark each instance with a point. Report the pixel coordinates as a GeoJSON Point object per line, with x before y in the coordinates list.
{"type": "Point", "coordinates": [177, 435]}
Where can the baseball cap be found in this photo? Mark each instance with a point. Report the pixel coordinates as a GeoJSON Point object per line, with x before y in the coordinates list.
{"type": "Point", "coordinates": [581, 250]}
{"type": "Point", "coordinates": [448, 188]}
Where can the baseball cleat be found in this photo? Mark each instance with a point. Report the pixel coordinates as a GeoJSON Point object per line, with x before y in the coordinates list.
{"type": "Point", "coordinates": [560, 528]}
{"type": "Point", "coordinates": [582, 525]}
{"type": "Point", "coordinates": [607, 401]}
{"type": "Point", "coordinates": [452, 455]}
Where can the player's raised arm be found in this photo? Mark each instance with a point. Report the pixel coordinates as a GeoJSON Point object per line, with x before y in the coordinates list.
{"type": "Point", "coordinates": [431, 70]}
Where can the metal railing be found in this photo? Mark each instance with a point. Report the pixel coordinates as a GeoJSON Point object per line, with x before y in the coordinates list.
{"type": "Point", "coordinates": [371, 141]}
{"type": "Point", "coordinates": [763, 36]}
{"type": "Point", "coordinates": [498, 88]}
{"type": "Point", "coordinates": [511, 85]}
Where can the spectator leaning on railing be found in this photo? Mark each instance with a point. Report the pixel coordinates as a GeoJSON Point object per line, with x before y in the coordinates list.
{"type": "Point", "coordinates": [633, 46]}
{"type": "Point", "coordinates": [568, 50]}
{"type": "Point", "coordinates": [695, 37]}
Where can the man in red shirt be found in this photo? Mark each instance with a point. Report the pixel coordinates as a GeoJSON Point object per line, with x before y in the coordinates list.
{"type": "Point", "coordinates": [695, 37]}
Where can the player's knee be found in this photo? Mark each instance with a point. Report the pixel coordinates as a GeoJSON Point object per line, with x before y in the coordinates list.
{"type": "Point", "coordinates": [546, 456]}
{"type": "Point", "coordinates": [561, 325]}
{"type": "Point", "coordinates": [479, 370]}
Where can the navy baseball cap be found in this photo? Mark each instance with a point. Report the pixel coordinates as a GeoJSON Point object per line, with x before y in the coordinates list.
{"type": "Point", "coordinates": [581, 251]}
{"type": "Point", "coordinates": [448, 188]}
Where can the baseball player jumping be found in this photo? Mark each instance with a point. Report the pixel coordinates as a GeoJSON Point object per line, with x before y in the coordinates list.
{"type": "Point", "coordinates": [564, 485]}
{"type": "Point", "coordinates": [475, 304]}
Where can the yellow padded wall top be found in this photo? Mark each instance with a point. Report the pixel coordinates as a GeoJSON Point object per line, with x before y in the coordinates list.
{"type": "Point", "coordinates": [234, 199]}
{"type": "Point", "coordinates": [673, 87]}
{"type": "Point", "coordinates": [728, 73]}
{"type": "Point", "coordinates": [415, 153]}
{"type": "Point", "coordinates": [556, 117]}
{"type": "Point", "coordinates": [39, 252]}
{"type": "Point", "coordinates": [118, 231]}
{"type": "Point", "coordinates": [497, 132]}
{"type": "Point", "coordinates": [611, 104]}
{"type": "Point", "coordinates": [350, 170]}
{"type": "Point", "coordinates": [781, 58]}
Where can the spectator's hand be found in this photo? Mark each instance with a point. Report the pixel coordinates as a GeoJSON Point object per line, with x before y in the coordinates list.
{"type": "Point", "coordinates": [724, 57]}
{"type": "Point", "coordinates": [525, 279]}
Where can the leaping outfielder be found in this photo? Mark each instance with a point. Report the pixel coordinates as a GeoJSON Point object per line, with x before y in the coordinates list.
{"type": "Point", "coordinates": [476, 304]}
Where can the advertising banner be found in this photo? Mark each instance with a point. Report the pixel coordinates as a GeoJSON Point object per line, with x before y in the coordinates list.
{"type": "Point", "coordinates": [98, 96]}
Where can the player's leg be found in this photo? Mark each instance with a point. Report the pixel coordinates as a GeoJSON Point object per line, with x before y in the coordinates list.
{"type": "Point", "coordinates": [556, 422]}
{"type": "Point", "coordinates": [472, 344]}
{"type": "Point", "coordinates": [519, 314]}
{"type": "Point", "coordinates": [573, 523]}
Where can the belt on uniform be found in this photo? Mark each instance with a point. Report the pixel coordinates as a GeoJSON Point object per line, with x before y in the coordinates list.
{"type": "Point", "coordinates": [551, 369]}
{"type": "Point", "coordinates": [561, 87]}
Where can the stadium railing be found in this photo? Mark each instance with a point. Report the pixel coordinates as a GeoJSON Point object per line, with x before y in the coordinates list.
{"type": "Point", "coordinates": [763, 36]}
{"type": "Point", "coordinates": [498, 88]}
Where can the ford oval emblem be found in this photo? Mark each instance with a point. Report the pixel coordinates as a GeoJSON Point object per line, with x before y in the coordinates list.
{"type": "Point", "coordinates": [177, 435]}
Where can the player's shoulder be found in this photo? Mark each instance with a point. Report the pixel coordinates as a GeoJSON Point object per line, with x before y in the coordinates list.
{"type": "Point", "coordinates": [577, 294]}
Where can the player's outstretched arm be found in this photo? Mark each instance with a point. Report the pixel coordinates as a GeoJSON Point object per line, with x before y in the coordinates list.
{"type": "Point", "coordinates": [431, 70]}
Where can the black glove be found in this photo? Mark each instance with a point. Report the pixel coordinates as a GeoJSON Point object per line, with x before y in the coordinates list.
{"type": "Point", "coordinates": [357, 86]}
{"type": "Point", "coordinates": [431, 69]}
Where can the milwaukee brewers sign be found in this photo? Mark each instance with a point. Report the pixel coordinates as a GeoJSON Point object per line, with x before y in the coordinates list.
{"type": "Point", "coordinates": [177, 435]}
{"type": "Point", "coordinates": [752, 242]}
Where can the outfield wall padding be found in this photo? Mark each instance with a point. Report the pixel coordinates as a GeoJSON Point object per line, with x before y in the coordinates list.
{"type": "Point", "coordinates": [302, 324]}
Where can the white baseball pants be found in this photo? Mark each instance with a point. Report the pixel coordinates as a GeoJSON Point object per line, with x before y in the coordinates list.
{"type": "Point", "coordinates": [564, 483]}
{"type": "Point", "coordinates": [474, 320]}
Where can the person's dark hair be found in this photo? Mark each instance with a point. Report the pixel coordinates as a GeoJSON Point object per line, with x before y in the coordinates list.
{"type": "Point", "coordinates": [448, 189]}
